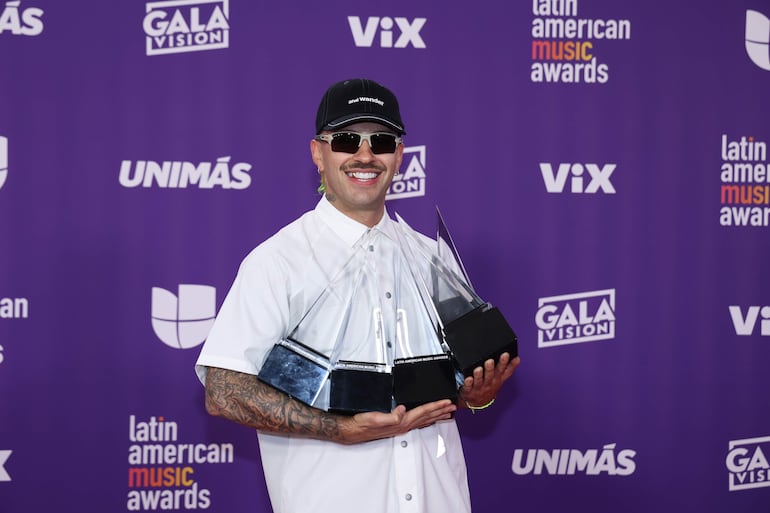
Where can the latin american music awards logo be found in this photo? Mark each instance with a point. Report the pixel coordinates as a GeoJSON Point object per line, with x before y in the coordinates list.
{"type": "Point", "coordinates": [567, 47]}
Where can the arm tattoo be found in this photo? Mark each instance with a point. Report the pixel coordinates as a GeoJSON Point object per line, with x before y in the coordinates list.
{"type": "Point", "coordinates": [242, 398]}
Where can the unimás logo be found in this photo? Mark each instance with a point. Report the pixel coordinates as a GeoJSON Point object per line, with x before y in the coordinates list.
{"type": "Point", "coordinates": [597, 175]}
{"type": "Point", "coordinates": [574, 318]}
{"type": "Point", "coordinates": [21, 22]}
{"type": "Point", "coordinates": [180, 174]}
{"type": "Point", "coordinates": [183, 321]}
{"type": "Point", "coordinates": [746, 322]}
{"type": "Point", "coordinates": [3, 160]}
{"type": "Point", "coordinates": [564, 46]}
{"type": "Point", "coordinates": [567, 462]}
{"type": "Point", "coordinates": [177, 26]}
{"type": "Point", "coordinates": [747, 463]}
{"type": "Point", "coordinates": [745, 177]}
{"type": "Point", "coordinates": [758, 38]}
{"type": "Point", "coordinates": [407, 32]}
{"type": "Point", "coordinates": [4, 475]}
{"type": "Point", "coordinates": [410, 183]}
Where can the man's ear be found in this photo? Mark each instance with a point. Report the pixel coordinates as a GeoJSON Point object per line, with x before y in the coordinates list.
{"type": "Point", "coordinates": [316, 153]}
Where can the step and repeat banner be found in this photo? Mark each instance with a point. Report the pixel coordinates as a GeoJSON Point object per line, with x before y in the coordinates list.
{"type": "Point", "coordinates": [603, 167]}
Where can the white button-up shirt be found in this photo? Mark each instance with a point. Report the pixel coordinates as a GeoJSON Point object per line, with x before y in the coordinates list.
{"type": "Point", "coordinates": [278, 286]}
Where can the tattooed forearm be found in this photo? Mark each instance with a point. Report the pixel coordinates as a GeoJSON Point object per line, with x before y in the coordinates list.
{"type": "Point", "coordinates": [244, 399]}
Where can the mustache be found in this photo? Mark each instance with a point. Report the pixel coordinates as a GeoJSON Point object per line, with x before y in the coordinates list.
{"type": "Point", "coordinates": [363, 165]}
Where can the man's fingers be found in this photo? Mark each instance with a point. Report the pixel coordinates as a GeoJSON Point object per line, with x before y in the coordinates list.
{"type": "Point", "coordinates": [428, 413]}
{"type": "Point", "coordinates": [511, 367]}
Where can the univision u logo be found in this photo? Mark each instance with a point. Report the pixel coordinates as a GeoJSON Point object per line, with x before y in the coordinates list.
{"type": "Point", "coordinates": [758, 38]}
{"type": "Point", "coordinates": [183, 321]}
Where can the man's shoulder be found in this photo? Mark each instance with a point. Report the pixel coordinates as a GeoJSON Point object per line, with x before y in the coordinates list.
{"type": "Point", "coordinates": [290, 242]}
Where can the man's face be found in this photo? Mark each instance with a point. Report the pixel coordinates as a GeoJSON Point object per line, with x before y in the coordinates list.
{"type": "Point", "coordinates": [356, 184]}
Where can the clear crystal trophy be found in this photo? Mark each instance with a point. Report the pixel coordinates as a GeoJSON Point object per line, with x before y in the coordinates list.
{"type": "Point", "coordinates": [361, 378]}
{"type": "Point", "coordinates": [423, 370]}
{"type": "Point", "coordinates": [295, 369]}
{"type": "Point", "coordinates": [299, 364]}
{"type": "Point", "coordinates": [472, 329]}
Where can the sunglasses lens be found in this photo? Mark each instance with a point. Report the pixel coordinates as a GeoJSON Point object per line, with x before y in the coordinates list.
{"type": "Point", "coordinates": [383, 143]}
{"type": "Point", "coordinates": [345, 142]}
{"type": "Point", "coordinates": [349, 142]}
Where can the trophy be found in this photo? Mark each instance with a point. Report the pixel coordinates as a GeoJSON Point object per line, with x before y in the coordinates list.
{"type": "Point", "coordinates": [431, 375]}
{"type": "Point", "coordinates": [299, 364]}
{"type": "Point", "coordinates": [295, 369]}
{"type": "Point", "coordinates": [472, 329]}
{"type": "Point", "coordinates": [362, 380]}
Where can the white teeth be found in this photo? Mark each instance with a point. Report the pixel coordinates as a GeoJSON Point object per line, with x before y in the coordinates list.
{"type": "Point", "coordinates": [363, 176]}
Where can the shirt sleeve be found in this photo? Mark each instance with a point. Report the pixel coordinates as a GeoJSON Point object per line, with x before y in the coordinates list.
{"type": "Point", "coordinates": [253, 317]}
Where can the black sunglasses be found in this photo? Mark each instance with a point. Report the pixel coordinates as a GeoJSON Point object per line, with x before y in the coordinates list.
{"type": "Point", "coordinates": [349, 142]}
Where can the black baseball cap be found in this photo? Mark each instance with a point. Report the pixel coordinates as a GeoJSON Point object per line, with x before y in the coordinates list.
{"type": "Point", "coordinates": [358, 99]}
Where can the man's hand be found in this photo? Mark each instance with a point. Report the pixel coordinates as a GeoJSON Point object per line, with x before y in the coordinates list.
{"type": "Point", "coordinates": [483, 386]}
{"type": "Point", "coordinates": [365, 427]}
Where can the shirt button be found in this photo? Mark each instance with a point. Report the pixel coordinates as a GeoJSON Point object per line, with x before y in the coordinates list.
{"type": "Point", "coordinates": [404, 443]}
{"type": "Point", "coordinates": [388, 294]}
{"type": "Point", "coordinates": [371, 248]}
{"type": "Point", "coordinates": [408, 496]}
{"type": "Point", "coordinates": [389, 344]}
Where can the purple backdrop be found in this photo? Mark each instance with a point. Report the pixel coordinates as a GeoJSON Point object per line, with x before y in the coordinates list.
{"type": "Point", "coordinates": [602, 165]}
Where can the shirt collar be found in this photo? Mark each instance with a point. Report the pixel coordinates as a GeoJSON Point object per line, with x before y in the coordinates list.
{"type": "Point", "coordinates": [349, 230]}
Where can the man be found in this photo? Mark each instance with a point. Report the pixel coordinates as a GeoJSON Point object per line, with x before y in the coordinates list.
{"type": "Point", "coordinates": [316, 461]}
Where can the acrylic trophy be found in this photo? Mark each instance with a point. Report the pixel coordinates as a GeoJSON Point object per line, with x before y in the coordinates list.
{"type": "Point", "coordinates": [472, 329]}
{"type": "Point", "coordinates": [295, 369]}
{"type": "Point", "coordinates": [428, 376]}
{"type": "Point", "coordinates": [361, 378]}
{"type": "Point", "coordinates": [299, 364]}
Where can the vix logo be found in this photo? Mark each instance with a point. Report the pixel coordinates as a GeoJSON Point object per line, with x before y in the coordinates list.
{"type": "Point", "coordinates": [3, 160]}
{"type": "Point", "coordinates": [4, 455]}
{"type": "Point", "coordinates": [599, 178]}
{"type": "Point", "coordinates": [744, 324]}
{"type": "Point", "coordinates": [183, 322]}
{"type": "Point", "coordinates": [409, 31]}
{"type": "Point", "coordinates": [410, 183]}
{"type": "Point", "coordinates": [758, 38]}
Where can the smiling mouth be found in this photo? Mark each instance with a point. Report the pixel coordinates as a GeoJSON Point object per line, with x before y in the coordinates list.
{"type": "Point", "coordinates": [362, 175]}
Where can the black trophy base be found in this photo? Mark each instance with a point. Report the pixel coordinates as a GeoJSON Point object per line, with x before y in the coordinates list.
{"type": "Point", "coordinates": [423, 380]}
{"type": "Point", "coordinates": [357, 390]}
{"type": "Point", "coordinates": [295, 370]}
{"type": "Point", "coordinates": [478, 336]}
